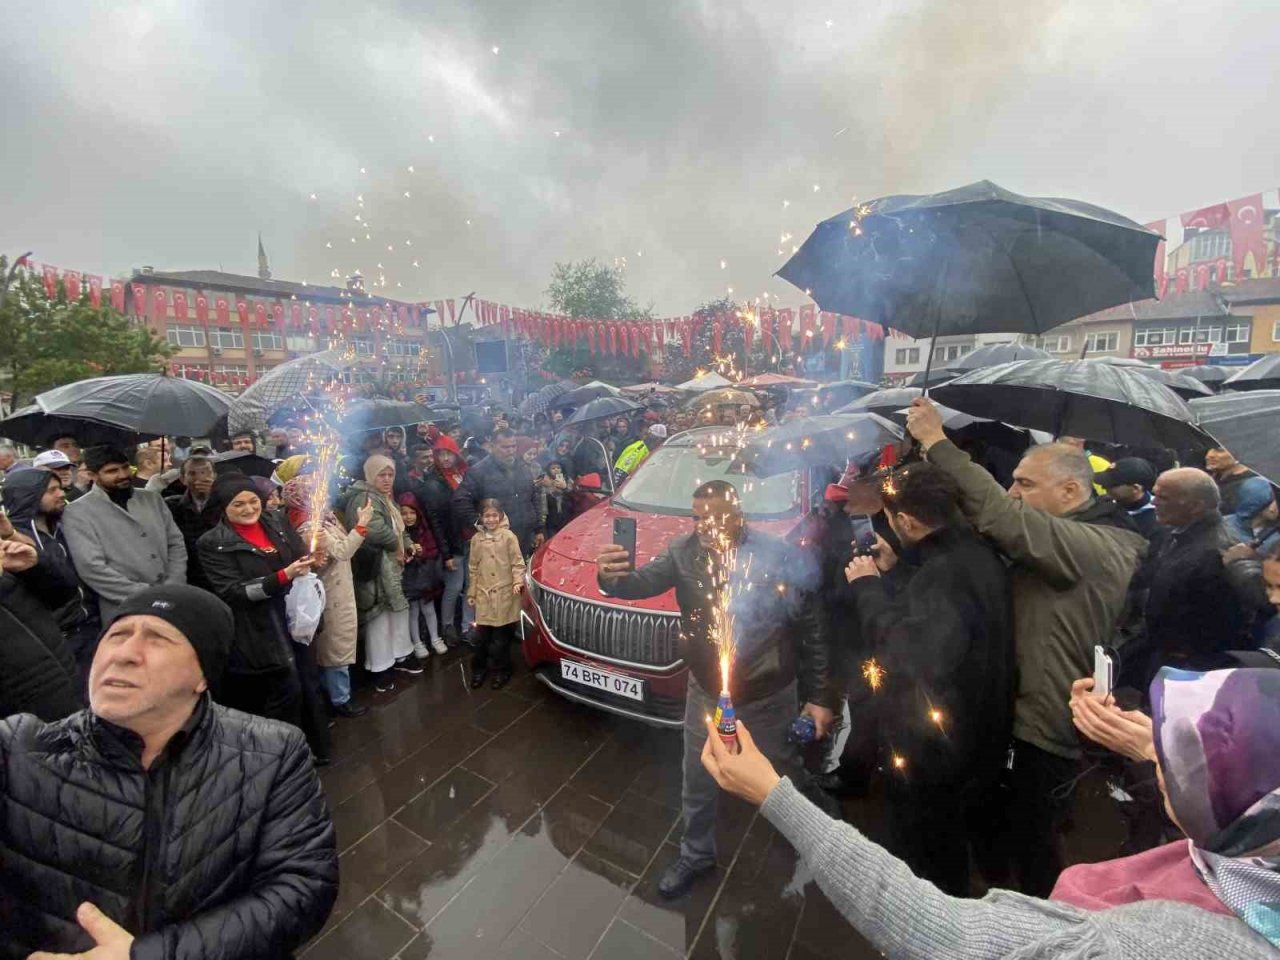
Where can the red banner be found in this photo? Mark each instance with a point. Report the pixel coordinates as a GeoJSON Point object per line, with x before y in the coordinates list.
{"type": "Point", "coordinates": [828, 328]}
{"type": "Point", "coordinates": [1248, 240]}
{"type": "Point", "coordinates": [1215, 217]}
{"type": "Point", "coordinates": [806, 326]}
{"type": "Point", "coordinates": [72, 279]}
{"type": "Point", "coordinates": [117, 296]}
{"type": "Point", "coordinates": [1159, 226]}
{"type": "Point", "coordinates": [95, 289]}
{"type": "Point", "coordinates": [202, 309]}
{"type": "Point", "coordinates": [242, 313]}
{"type": "Point", "coordinates": [295, 315]}
{"type": "Point", "coordinates": [277, 315]}
{"type": "Point", "coordinates": [179, 305]}
{"type": "Point", "coordinates": [785, 318]}
{"type": "Point", "coordinates": [139, 299]}
{"type": "Point", "coordinates": [260, 314]}
{"type": "Point", "coordinates": [50, 281]}
{"type": "Point", "coordinates": [159, 305]}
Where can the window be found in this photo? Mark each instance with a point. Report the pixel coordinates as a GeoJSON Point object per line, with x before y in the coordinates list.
{"type": "Point", "coordinates": [1102, 342]}
{"type": "Point", "coordinates": [363, 346]}
{"type": "Point", "coordinates": [185, 336]}
{"type": "Point", "coordinates": [906, 355]}
{"type": "Point", "coordinates": [1275, 330]}
{"type": "Point", "coordinates": [1238, 331]}
{"type": "Point", "coordinates": [231, 369]}
{"type": "Point", "coordinates": [267, 341]}
{"type": "Point", "coordinates": [226, 339]}
{"type": "Point", "coordinates": [1054, 342]}
{"type": "Point", "coordinates": [401, 348]}
{"type": "Point", "coordinates": [950, 351]}
{"type": "Point", "coordinates": [300, 343]}
{"type": "Point", "coordinates": [1155, 337]}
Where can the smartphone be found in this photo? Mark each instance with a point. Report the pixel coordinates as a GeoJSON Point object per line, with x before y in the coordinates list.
{"type": "Point", "coordinates": [865, 545]}
{"type": "Point", "coordinates": [624, 535]}
{"type": "Point", "coordinates": [1103, 673]}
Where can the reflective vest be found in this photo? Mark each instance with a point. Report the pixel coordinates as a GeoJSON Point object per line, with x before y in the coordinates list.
{"type": "Point", "coordinates": [629, 459]}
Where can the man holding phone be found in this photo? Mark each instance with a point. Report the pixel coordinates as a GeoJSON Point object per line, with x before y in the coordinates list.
{"type": "Point", "coordinates": [781, 661]}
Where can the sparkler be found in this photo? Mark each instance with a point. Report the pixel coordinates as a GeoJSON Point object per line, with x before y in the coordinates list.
{"type": "Point", "coordinates": [326, 463]}
{"type": "Point", "coordinates": [873, 673]}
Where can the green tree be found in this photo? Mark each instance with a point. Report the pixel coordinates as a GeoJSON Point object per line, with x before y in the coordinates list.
{"type": "Point", "coordinates": [590, 289]}
{"type": "Point", "coordinates": [48, 341]}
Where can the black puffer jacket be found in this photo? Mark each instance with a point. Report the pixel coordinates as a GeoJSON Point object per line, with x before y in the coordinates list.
{"type": "Point", "coordinates": [435, 495]}
{"type": "Point", "coordinates": [223, 849]}
{"type": "Point", "coordinates": [37, 672]}
{"type": "Point", "coordinates": [512, 485]}
{"type": "Point", "coordinates": [246, 578]}
{"type": "Point", "coordinates": [782, 638]}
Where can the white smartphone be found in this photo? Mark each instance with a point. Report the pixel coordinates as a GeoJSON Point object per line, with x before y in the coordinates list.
{"type": "Point", "coordinates": [1103, 673]}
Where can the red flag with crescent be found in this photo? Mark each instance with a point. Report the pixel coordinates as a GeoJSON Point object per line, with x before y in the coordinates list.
{"type": "Point", "coordinates": [242, 312]}
{"type": "Point", "coordinates": [620, 340]}
{"type": "Point", "coordinates": [159, 305]}
{"type": "Point", "coordinates": [259, 315]}
{"type": "Point", "coordinates": [95, 289]}
{"type": "Point", "coordinates": [72, 279]}
{"type": "Point", "coordinates": [295, 315]}
{"type": "Point", "coordinates": [277, 314]}
{"type": "Point", "coordinates": [202, 309]}
{"type": "Point", "coordinates": [180, 305]}
{"type": "Point", "coordinates": [222, 310]}
{"type": "Point", "coordinates": [313, 320]}
{"type": "Point", "coordinates": [50, 281]}
{"type": "Point", "coordinates": [1248, 237]}
{"type": "Point", "coordinates": [139, 299]}
{"type": "Point", "coordinates": [717, 333]}
{"type": "Point", "coordinates": [117, 296]}
{"type": "Point", "coordinates": [828, 328]}
{"type": "Point", "coordinates": [786, 317]}
{"type": "Point", "coordinates": [591, 338]}
{"type": "Point", "coordinates": [402, 313]}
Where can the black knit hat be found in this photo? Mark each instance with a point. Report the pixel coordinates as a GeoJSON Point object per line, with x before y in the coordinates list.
{"type": "Point", "coordinates": [201, 617]}
{"type": "Point", "coordinates": [225, 489]}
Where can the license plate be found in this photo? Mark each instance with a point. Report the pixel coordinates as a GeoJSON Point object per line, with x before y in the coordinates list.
{"type": "Point", "coordinates": [614, 683]}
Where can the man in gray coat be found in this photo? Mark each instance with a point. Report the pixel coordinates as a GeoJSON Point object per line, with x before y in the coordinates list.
{"type": "Point", "coordinates": [122, 540]}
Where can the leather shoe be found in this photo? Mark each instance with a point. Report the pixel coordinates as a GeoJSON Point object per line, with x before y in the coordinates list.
{"type": "Point", "coordinates": [349, 710]}
{"type": "Point", "coordinates": [478, 678]}
{"type": "Point", "coordinates": [679, 877]}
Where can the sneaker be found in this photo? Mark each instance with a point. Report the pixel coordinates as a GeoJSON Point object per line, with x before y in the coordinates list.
{"type": "Point", "coordinates": [383, 682]}
{"type": "Point", "coordinates": [349, 710]}
{"type": "Point", "coordinates": [680, 876]}
{"type": "Point", "coordinates": [477, 678]}
{"type": "Point", "coordinates": [500, 680]}
{"type": "Point", "coordinates": [449, 633]}
{"type": "Point", "coordinates": [420, 650]}
{"type": "Point", "coordinates": [439, 646]}
{"type": "Point", "coordinates": [408, 665]}
{"type": "Point", "coordinates": [469, 636]}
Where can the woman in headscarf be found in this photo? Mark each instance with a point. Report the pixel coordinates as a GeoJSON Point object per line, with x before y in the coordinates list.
{"type": "Point", "coordinates": [335, 642]}
{"type": "Point", "coordinates": [1216, 744]}
{"type": "Point", "coordinates": [250, 560]}
{"type": "Point", "coordinates": [378, 570]}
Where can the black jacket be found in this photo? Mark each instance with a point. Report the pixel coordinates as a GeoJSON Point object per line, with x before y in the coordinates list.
{"type": "Point", "coordinates": [194, 525]}
{"type": "Point", "coordinates": [944, 637]}
{"type": "Point", "coordinates": [513, 486]}
{"type": "Point", "coordinates": [223, 849]}
{"type": "Point", "coordinates": [436, 497]}
{"type": "Point", "coordinates": [37, 671]}
{"type": "Point", "coordinates": [1143, 515]}
{"type": "Point", "coordinates": [781, 636]}
{"type": "Point", "coordinates": [57, 584]}
{"type": "Point", "coordinates": [246, 578]}
{"type": "Point", "coordinates": [1197, 606]}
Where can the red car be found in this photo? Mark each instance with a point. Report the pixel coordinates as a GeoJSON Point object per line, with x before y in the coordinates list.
{"type": "Point", "coordinates": [624, 655]}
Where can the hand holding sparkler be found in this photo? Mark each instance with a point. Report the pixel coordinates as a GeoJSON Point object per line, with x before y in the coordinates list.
{"type": "Point", "coordinates": [299, 568]}
{"type": "Point", "coordinates": [925, 423]}
{"type": "Point", "coordinates": [364, 512]}
{"type": "Point", "coordinates": [747, 774]}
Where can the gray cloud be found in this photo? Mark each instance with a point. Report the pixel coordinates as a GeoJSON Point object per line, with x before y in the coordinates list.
{"type": "Point", "coordinates": [170, 132]}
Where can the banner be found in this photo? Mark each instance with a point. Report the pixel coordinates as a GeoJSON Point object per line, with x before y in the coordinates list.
{"type": "Point", "coordinates": [242, 313]}
{"type": "Point", "coordinates": [72, 279]}
{"type": "Point", "coordinates": [180, 305]}
{"type": "Point", "coordinates": [117, 296]}
{"type": "Point", "coordinates": [222, 311]}
{"type": "Point", "coordinates": [95, 289]}
{"type": "Point", "coordinates": [1248, 237]}
{"type": "Point", "coordinates": [159, 305]}
{"type": "Point", "coordinates": [202, 309]}
{"type": "Point", "coordinates": [139, 299]}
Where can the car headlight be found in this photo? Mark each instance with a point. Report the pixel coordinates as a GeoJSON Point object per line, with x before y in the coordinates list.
{"type": "Point", "coordinates": [531, 585]}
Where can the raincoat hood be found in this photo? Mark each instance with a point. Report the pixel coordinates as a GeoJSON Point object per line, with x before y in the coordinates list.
{"type": "Point", "coordinates": [22, 492]}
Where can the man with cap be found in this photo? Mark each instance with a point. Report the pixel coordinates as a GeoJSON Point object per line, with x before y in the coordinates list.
{"type": "Point", "coordinates": [56, 462]}
{"type": "Point", "coordinates": [121, 539]}
{"type": "Point", "coordinates": [156, 823]}
{"type": "Point", "coordinates": [1129, 483]}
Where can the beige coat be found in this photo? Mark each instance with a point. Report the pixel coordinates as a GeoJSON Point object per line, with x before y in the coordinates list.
{"type": "Point", "coordinates": [336, 642]}
{"type": "Point", "coordinates": [496, 567]}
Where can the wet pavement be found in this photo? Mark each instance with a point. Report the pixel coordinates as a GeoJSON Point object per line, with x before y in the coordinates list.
{"type": "Point", "coordinates": [514, 824]}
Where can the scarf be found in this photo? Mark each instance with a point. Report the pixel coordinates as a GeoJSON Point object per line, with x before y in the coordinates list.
{"type": "Point", "coordinates": [1217, 736]}
{"type": "Point", "coordinates": [372, 467]}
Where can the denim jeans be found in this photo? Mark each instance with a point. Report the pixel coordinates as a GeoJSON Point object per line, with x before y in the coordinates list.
{"type": "Point", "coordinates": [337, 684]}
{"type": "Point", "coordinates": [768, 720]}
{"type": "Point", "coordinates": [455, 584]}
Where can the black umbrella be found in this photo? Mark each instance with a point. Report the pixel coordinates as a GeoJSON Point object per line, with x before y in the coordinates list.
{"type": "Point", "coordinates": [978, 259]}
{"type": "Point", "coordinates": [1096, 401]}
{"type": "Point", "coordinates": [540, 401]}
{"type": "Point", "coordinates": [1263, 374]}
{"type": "Point", "coordinates": [580, 396]}
{"type": "Point", "coordinates": [1245, 424]}
{"type": "Point", "coordinates": [600, 408]}
{"type": "Point", "coordinates": [883, 402]}
{"type": "Point", "coordinates": [1206, 373]}
{"type": "Point", "coordinates": [1185, 387]}
{"type": "Point", "coordinates": [243, 462]}
{"type": "Point", "coordinates": [834, 395]}
{"type": "Point", "coordinates": [380, 414]}
{"type": "Point", "coordinates": [34, 427]}
{"type": "Point", "coordinates": [144, 403]}
{"type": "Point", "coordinates": [997, 353]}
{"type": "Point", "coordinates": [931, 378]}
{"type": "Point", "coordinates": [831, 439]}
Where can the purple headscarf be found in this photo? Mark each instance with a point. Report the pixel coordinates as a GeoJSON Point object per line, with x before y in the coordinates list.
{"type": "Point", "coordinates": [1217, 736]}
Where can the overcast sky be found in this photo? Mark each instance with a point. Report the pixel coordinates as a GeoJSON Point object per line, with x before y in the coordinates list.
{"type": "Point", "coordinates": [676, 134]}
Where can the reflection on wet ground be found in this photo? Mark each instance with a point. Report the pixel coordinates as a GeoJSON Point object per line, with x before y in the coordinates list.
{"type": "Point", "coordinates": [514, 824]}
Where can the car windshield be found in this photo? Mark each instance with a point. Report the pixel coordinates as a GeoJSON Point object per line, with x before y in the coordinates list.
{"type": "Point", "coordinates": [665, 482]}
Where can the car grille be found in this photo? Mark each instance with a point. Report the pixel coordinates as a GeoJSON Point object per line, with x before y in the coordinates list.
{"type": "Point", "coordinates": [620, 634]}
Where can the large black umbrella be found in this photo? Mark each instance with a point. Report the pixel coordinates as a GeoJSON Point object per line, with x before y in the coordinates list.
{"type": "Point", "coordinates": [380, 414]}
{"type": "Point", "coordinates": [600, 408]}
{"type": "Point", "coordinates": [1209, 374]}
{"type": "Point", "coordinates": [580, 396]}
{"type": "Point", "coordinates": [1185, 387]}
{"type": "Point", "coordinates": [243, 462]}
{"type": "Point", "coordinates": [143, 403]}
{"type": "Point", "coordinates": [1263, 374]}
{"type": "Point", "coordinates": [1245, 424]}
{"type": "Point", "coordinates": [832, 396]}
{"type": "Point", "coordinates": [540, 401]}
{"type": "Point", "coordinates": [930, 377]}
{"type": "Point", "coordinates": [1096, 401]}
{"type": "Point", "coordinates": [883, 402]}
{"type": "Point", "coordinates": [978, 259]}
{"type": "Point", "coordinates": [997, 353]}
{"type": "Point", "coordinates": [831, 439]}
{"type": "Point", "coordinates": [34, 427]}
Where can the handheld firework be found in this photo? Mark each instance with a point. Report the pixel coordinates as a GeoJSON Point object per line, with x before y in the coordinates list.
{"type": "Point", "coordinates": [726, 719]}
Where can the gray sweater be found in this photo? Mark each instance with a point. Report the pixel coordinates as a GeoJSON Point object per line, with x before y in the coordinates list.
{"type": "Point", "coordinates": [908, 918]}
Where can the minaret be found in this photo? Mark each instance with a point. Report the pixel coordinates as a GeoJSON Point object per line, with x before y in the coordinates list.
{"type": "Point", "coordinates": [264, 271]}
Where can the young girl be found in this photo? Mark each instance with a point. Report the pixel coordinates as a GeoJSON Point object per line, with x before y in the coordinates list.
{"type": "Point", "coordinates": [423, 576]}
{"type": "Point", "coordinates": [553, 494]}
{"type": "Point", "coordinates": [497, 576]}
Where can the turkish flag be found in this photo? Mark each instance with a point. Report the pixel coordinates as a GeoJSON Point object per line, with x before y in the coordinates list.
{"type": "Point", "coordinates": [277, 314]}
{"type": "Point", "coordinates": [179, 305]}
{"type": "Point", "coordinates": [807, 319]}
{"type": "Point", "coordinates": [260, 314]}
{"type": "Point", "coordinates": [1248, 241]}
{"type": "Point", "coordinates": [202, 309]}
{"type": "Point", "coordinates": [95, 290]}
{"type": "Point", "coordinates": [748, 337]}
{"type": "Point", "coordinates": [1182, 281]}
{"type": "Point", "coordinates": [1209, 218]}
{"type": "Point", "coordinates": [828, 328]}
{"type": "Point", "coordinates": [295, 315]}
{"type": "Point", "coordinates": [139, 299]}
{"type": "Point", "coordinates": [117, 296]}
{"type": "Point", "coordinates": [50, 281]}
{"type": "Point", "coordinates": [453, 315]}
{"type": "Point", "coordinates": [330, 319]}
{"type": "Point", "coordinates": [379, 318]}
{"type": "Point", "coordinates": [242, 312]}
{"type": "Point", "coordinates": [659, 331]}
{"type": "Point", "coordinates": [591, 338]}
{"type": "Point", "coordinates": [619, 338]}
{"type": "Point", "coordinates": [1202, 277]}
{"type": "Point", "coordinates": [221, 310]}
{"type": "Point", "coordinates": [362, 320]}
{"type": "Point", "coordinates": [159, 305]}
{"type": "Point", "coordinates": [72, 280]}
{"type": "Point", "coordinates": [313, 319]}
{"type": "Point", "coordinates": [348, 319]}
{"type": "Point", "coordinates": [785, 319]}
{"type": "Point", "coordinates": [1161, 281]}
{"type": "Point", "coordinates": [717, 333]}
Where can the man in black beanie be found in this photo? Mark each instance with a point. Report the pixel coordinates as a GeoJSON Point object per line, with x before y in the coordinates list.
{"type": "Point", "coordinates": [157, 823]}
{"type": "Point", "coordinates": [122, 540]}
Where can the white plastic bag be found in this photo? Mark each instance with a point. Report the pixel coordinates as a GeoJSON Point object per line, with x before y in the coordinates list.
{"type": "Point", "coordinates": [304, 606]}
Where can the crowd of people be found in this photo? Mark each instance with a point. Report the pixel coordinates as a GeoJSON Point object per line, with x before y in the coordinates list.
{"type": "Point", "coordinates": [163, 604]}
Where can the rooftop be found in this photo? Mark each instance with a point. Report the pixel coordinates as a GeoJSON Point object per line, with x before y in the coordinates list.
{"type": "Point", "coordinates": [217, 280]}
